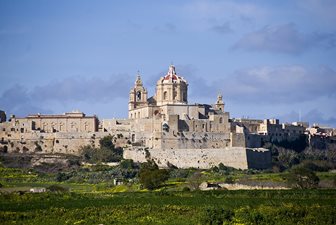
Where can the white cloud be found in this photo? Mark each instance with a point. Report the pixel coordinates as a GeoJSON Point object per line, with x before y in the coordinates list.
{"type": "Point", "coordinates": [202, 15]}
{"type": "Point", "coordinates": [284, 38]}
{"type": "Point", "coordinates": [224, 28]}
{"type": "Point", "coordinates": [320, 9]}
{"type": "Point", "coordinates": [21, 101]}
{"type": "Point", "coordinates": [284, 84]}
{"type": "Point", "coordinates": [220, 9]}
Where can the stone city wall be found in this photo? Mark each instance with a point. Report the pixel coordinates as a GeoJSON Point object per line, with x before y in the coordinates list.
{"type": "Point", "coordinates": [237, 157]}
{"type": "Point", "coordinates": [35, 142]}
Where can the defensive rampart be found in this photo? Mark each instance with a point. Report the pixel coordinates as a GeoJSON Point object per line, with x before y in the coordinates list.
{"type": "Point", "coordinates": [237, 157]}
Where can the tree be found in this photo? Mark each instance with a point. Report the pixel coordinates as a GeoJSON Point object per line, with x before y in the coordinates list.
{"type": "Point", "coordinates": [195, 180]}
{"type": "Point", "coordinates": [150, 176]}
{"type": "Point", "coordinates": [106, 153]}
{"type": "Point", "coordinates": [303, 178]}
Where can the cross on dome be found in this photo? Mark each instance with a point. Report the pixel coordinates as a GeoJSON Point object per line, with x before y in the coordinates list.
{"type": "Point", "coordinates": [171, 75]}
{"type": "Point", "coordinates": [171, 70]}
{"type": "Point", "coordinates": [138, 80]}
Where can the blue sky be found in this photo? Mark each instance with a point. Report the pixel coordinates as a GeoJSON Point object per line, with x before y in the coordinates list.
{"type": "Point", "coordinates": [269, 59]}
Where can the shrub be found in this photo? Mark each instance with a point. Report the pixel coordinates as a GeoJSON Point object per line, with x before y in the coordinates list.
{"type": "Point", "coordinates": [62, 176]}
{"type": "Point", "coordinates": [229, 180]}
{"type": "Point", "coordinates": [302, 178]}
{"type": "Point", "coordinates": [216, 216]}
{"type": "Point", "coordinates": [186, 189]}
{"type": "Point", "coordinates": [106, 153]}
{"type": "Point", "coordinates": [150, 176]}
{"type": "Point", "coordinates": [195, 180]}
{"type": "Point", "coordinates": [297, 145]}
{"type": "Point", "coordinates": [127, 164]}
{"type": "Point", "coordinates": [57, 188]}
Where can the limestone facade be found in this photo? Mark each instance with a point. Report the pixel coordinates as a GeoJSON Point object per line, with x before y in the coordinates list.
{"type": "Point", "coordinates": [68, 122]}
{"type": "Point", "coordinates": [165, 126]}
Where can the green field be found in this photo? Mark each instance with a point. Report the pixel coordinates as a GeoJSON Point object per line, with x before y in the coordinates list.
{"type": "Point", "coordinates": [162, 207]}
{"type": "Point", "coordinates": [89, 197]}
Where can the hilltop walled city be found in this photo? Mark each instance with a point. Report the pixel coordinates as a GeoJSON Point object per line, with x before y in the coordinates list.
{"type": "Point", "coordinates": [164, 127]}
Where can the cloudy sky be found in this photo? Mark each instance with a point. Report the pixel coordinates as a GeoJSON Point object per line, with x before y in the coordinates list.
{"type": "Point", "coordinates": [269, 59]}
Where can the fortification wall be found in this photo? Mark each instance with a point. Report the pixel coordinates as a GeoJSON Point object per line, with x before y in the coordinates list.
{"type": "Point", "coordinates": [237, 157]}
{"type": "Point", "coordinates": [35, 142]}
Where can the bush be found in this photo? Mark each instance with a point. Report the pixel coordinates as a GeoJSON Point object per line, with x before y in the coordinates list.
{"type": "Point", "coordinates": [302, 178]}
{"type": "Point", "coordinates": [195, 180]}
{"type": "Point", "coordinates": [186, 189]}
{"type": "Point", "coordinates": [57, 188]}
{"type": "Point", "coordinates": [225, 169]}
{"type": "Point", "coordinates": [62, 176]}
{"type": "Point", "coordinates": [106, 153]}
{"type": "Point", "coordinates": [229, 180]}
{"type": "Point", "coordinates": [297, 145]}
{"type": "Point", "coordinates": [216, 216]}
{"type": "Point", "coordinates": [127, 164]}
{"type": "Point", "coordinates": [319, 166]}
{"type": "Point", "coordinates": [150, 176]}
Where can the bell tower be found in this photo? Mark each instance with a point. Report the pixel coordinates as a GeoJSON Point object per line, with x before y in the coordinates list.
{"type": "Point", "coordinates": [219, 103]}
{"type": "Point", "coordinates": [138, 95]}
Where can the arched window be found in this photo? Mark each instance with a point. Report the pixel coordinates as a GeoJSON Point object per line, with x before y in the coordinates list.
{"type": "Point", "coordinates": [184, 96]}
{"type": "Point", "coordinates": [138, 96]}
{"type": "Point", "coordinates": [138, 114]}
{"type": "Point", "coordinates": [165, 95]}
{"type": "Point", "coordinates": [220, 120]}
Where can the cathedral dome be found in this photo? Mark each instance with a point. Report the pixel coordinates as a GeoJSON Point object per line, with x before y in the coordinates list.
{"type": "Point", "coordinates": [171, 89]}
{"type": "Point", "coordinates": [172, 77]}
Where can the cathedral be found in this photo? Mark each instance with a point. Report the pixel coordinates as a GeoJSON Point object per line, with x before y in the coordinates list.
{"type": "Point", "coordinates": [171, 98]}
{"type": "Point", "coordinates": [164, 127]}
{"type": "Point", "coordinates": [173, 131]}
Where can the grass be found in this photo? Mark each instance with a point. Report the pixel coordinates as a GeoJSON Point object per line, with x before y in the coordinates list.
{"type": "Point", "coordinates": [260, 207]}
{"type": "Point", "coordinates": [103, 203]}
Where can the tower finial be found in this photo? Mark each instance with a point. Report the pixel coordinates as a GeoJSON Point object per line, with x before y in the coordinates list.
{"type": "Point", "coordinates": [171, 70]}
{"type": "Point", "coordinates": [138, 79]}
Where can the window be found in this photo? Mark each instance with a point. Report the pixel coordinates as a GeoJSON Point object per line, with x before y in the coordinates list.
{"type": "Point", "coordinates": [138, 96]}
{"type": "Point", "coordinates": [184, 96]}
{"type": "Point", "coordinates": [221, 120]}
{"type": "Point", "coordinates": [165, 95]}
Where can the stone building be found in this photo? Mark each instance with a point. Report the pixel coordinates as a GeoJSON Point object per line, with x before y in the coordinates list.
{"type": "Point", "coordinates": [164, 127]}
{"type": "Point", "coordinates": [68, 122]}
{"type": "Point", "coordinates": [38, 133]}
{"type": "Point", "coordinates": [2, 116]}
{"type": "Point", "coordinates": [171, 130]}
